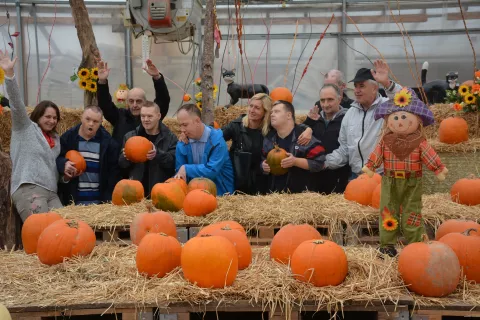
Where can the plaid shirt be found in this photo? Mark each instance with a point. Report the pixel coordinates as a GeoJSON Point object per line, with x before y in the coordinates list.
{"type": "Point", "coordinates": [423, 153]}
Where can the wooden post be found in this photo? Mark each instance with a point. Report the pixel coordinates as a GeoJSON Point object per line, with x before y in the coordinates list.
{"type": "Point", "coordinates": [207, 64]}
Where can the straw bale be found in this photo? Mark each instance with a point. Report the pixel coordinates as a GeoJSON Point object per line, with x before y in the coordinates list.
{"type": "Point", "coordinates": [470, 146]}
{"type": "Point", "coordinates": [443, 111]}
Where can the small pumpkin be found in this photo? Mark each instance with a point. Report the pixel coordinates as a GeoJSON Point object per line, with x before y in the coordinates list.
{"type": "Point", "coordinates": [4, 314]}
{"type": "Point", "coordinates": [33, 227]}
{"type": "Point", "coordinates": [377, 193]}
{"type": "Point", "coordinates": [219, 225]}
{"type": "Point", "coordinates": [77, 159]}
{"type": "Point", "coordinates": [453, 130]}
{"type": "Point", "coordinates": [241, 243]}
{"type": "Point", "coordinates": [199, 203]}
{"type": "Point", "coordinates": [64, 239]}
{"type": "Point", "coordinates": [158, 254]}
{"type": "Point", "coordinates": [274, 160]}
{"type": "Point", "coordinates": [360, 191]}
{"type": "Point", "coordinates": [209, 261]}
{"type": "Point", "coordinates": [289, 238]}
{"type": "Point", "coordinates": [204, 184]}
{"type": "Point", "coordinates": [453, 225]}
{"type": "Point", "coordinates": [187, 97]}
{"type": "Point", "coordinates": [376, 177]}
{"type": "Point", "coordinates": [180, 182]}
{"type": "Point", "coordinates": [151, 222]}
{"type": "Point", "coordinates": [136, 149]}
{"type": "Point", "coordinates": [466, 191]}
{"type": "Point", "coordinates": [320, 262]}
{"type": "Point", "coordinates": [281, 93]}
{"type": "Point", "coordinates": [127, 192]}
{"type": "Point", "coordinates": [167, 196]}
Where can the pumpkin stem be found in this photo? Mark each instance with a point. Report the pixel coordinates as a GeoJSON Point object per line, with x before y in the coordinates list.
{"type": "Point", "coordinates": [205, 235]}
{"type": "Point", "coordinates": [163, 234]}
{"type": "Point", "coordinates": [72, 224]}
{"type": "Point", "coordinates": [467, 232]}
{"type": "Point", "coordinates": [150, 207]}
{"type": "Point", "coordinates": [319, 242]}
{"type": "Point", "coordinates": [471, 176]}
{"type": "Point", "coordinates": [226, 227]}
{"type": "Point", "coordinates": [425, 238]}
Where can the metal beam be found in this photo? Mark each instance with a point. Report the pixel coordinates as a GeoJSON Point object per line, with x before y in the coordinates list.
{"type": "Point", "coordinates": [128, 57]}
{"type": "Point", "coordinates": [34, 10]}
{"type": "Point", "coordinates": [19, 53]}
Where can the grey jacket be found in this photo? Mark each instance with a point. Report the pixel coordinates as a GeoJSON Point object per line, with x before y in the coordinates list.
{"type": "Point", "coordinates": [33, 159]}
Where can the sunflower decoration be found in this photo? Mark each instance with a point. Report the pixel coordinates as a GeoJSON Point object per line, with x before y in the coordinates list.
{"type": "Point", "coordinates": [457, 107]}
{"type": "Point", "coordinates": [402, 98]}
{"type": "Point", "coordinates": [198, 81]}
{"type": "Point", "coordinates": [198, 96]}
{"type": "Point", "coordinates": [91, 86]}
{"type": "Point", "coordinates": [94, 74]}
{"type": "Point", "coordinates": [199, 106]}
{"type": "Point", "coordinates": [469, 99]}
{"type": "Point", "coordinates": [83, 74]}
{"type": "Point", "coordinates": [2, 76]}
{"type": "Point", "coordinates": [390, 224]}
{"type": "Point", "coordinates": [463, 90]}
{"type": "Point", "coordinates": [83, 84]}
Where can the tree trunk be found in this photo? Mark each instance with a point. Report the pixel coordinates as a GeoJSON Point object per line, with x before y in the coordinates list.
{"type": "Point", "coordinates": [87, 42]}
{"type": "Point", "coordinates": [207, 64]}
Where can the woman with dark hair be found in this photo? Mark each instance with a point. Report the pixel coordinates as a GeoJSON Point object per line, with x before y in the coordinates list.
{"type": "Point", "coordinates": [34, 148]}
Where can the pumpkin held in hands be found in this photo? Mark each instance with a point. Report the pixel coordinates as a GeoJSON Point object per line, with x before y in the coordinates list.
{"type": "Point", "coordinates": [241, 243]}
{"type": "Point", "coordinates": [33, 227]}
{"type": "Point", "coordinates": [199, 203]}
{"type": "Point", "coordinates": [158, 254]}
{"type": "Point", "coordinates": [288, 238]}
{"type": "Point", "coordinates": [167, 196]}
{"type": "Point", "coordinates": [453, 225]}
{"type": "Point", "coordinates": [203, 184]}
{"type": "Point", "coordinates": [152, 222]}
{"type": "Point", "coordinates": [127, 192]}
{"type": "Point", "coordinates": [274, 161]}
{"type": "Point", "coordinates": [77, 159]}
{"type": "Point", "coordinates": [466, 191]}
{"type": "Point", "coordinates": [136, 149]}
{"type": "Point", "coordinates": [453, 130]}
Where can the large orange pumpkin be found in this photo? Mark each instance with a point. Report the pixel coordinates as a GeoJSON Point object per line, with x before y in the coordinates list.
{"type": "Point", "coordinates": [180, 182]}
{"type": "Point", "coordinates": [360, 191]}
{"type": "Point", "coordinates": [152, 222]}
{"type": "Point", "coordinates": [209, 261]}
{"type": "Point", "coordinates": [204, 184]}
{"type": "Point", "coordinates": [466, 246]}
{"type": "Point", "coordinates": [466, 191]}
{"type": "Point", "coordinates": [136, 149]}
{"type": "Point", "coordinates": [376, 177]}
{"type": "Point", "coordinates": [77, 159]}
{"type": "Point", "coordinates": [241, 243]}
{"type": "Point", "coordinates": [430, 269]}
{"type": "Point", "coordinates": [158, 254]}
{"type": "Point", "coordinates": [281, 93]}
{"type": "Point", "coordinates": [167, 196]}
{"type": "Point", "coordinates": [34, 226]}
{"type": "Point", "coordinates": [219, 225]}
{"type": "Point", "coordinates": [377, 193]}
{"type": "Point", "coordinates": [453, 225]}
{"type": "Point", "coordinates": [453, 130]}
{"type": "Point", "coordinates": [65, 239]}
{"type": "Point", "coordinates": [274, 160]}
{"type": "Point", "coordinates": [320, 262]}
{"type": "Point", "coordinates": [127, 192]}
{"type": "Point", "coordinates": [199, 203]}
{"type": "Point", "coordinates": [468, 83]}
{"type": "Point", "coordinates": [289, 238]}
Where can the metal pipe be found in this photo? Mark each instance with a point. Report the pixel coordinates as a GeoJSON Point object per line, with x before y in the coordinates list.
{"type": "Point", "coordinates": [34, 10]}
{"type": "Point", "coordinates": [21, 74]}
{"type": "Point", "coordinates": [128, 57]}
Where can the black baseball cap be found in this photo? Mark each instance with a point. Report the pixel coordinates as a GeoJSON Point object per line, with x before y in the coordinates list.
{"type": "Point", "coordinates": [362, 75]}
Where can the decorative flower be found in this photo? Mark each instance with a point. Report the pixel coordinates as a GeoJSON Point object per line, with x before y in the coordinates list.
{"type": "Point", "coordinates": [83, 84]}
{"type": "Point", "coordinates": [94, 74]}
{"type": "Point", "coordinates": [457, 107]}
{"type": "Point", "coordinates": [390, 224]}
{"type": "Point", "coordinates": [91, 86]}
{"type": "Point", "coordinates": [470, 99]}
{"type": "Point", "coordinates": [476, 89]}
{"type": "Point", "coordinates": [83, 73]}
{"type": "Point", "coordinates": [198, 81]}
{"type": "Point", "coordinates": [463, 90]}
{"type": "Point", "coordinates": [198, 96]}
{"type": "Point", "coordinates": [2, 76]}
{"type": "Point", "coordinates": [187, 97]}
{"type": "Point", "coordinates": [477, 74]}
{"type": "Point", "coordinates": [199, 106]}
{"type": "Point", "coordinates": [402, 98]}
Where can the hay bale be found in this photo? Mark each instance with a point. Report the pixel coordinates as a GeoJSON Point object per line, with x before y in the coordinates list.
{"type": "Point", "coordinates": [443, 111]}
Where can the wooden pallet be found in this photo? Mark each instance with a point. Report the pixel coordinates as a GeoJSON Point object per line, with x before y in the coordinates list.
{"type": "Point", "coordinates": [121, 235]}
{"type": "Point", "coordinates": [458, 311]}
{"type": "Point", "coordinates": [91, 314]}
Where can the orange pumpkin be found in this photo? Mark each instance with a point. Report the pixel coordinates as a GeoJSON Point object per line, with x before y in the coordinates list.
{"type": "Point", "coordinates": [468, 83]}
{"type": "Point", "coordinates": [453, 130]}
{"type": "Point", "coordinates": [199, 203]}
{"type": "Point", "coordinates": [77, 159]}
{"type": "Point", "coordinates": [136, 149]}
{"type": "Point", "coordinates": [289, 238]}
{"type": "Point", "coordinates": [360, 191]}
{"type": "Point", "coordinates": [281, 93]}
{"type": "Point", "coordinates": [376, 177]}
{"type": "Point", "coordinates": [241, 243]}
{"type": "Point", "coordinates": [320, 262]}
{"type": "Point", "coordinates": [127, 192]}
{"type": "Point", "coordinates": [466, 246]}
{"type": "Point", "coordinates": [180, 182]}
{"type": "Point", "coordinates": [451, 226]}
{"type": "Point", "coordinates": [430, 269]}
{"type": "Point", "coordinates": [152, 222]}
{"type": "Point", "coordinates": [65, 239]}
{"type": "Point", "coordinates": [466, 191]}
{"type": "Point", "coordinates": [377, 193]}
{"type": "Point", "coordinates": [274, 160]}
{"type": "Point", "coordinates": [167, 196]}
{"type": "Point", "coordinates": [34, 226]}
{"type": "Point", "coordinates": [209, 261]}
{"type": "Point", "coordinates": [204, 184]}
{"type": "Point", "coordinates": [219, 225]}
{"type": "Point", "coordinates": [187, 97]}
{"type": "Point", "coordinates": [158, 254]}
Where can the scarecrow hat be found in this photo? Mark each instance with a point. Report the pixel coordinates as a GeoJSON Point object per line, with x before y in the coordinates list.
{"type": "Point", "coordinates": [405, 100]}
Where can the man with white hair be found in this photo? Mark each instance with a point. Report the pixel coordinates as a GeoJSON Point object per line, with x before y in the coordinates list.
{"type": "Point", "coordinates": [336, 77]}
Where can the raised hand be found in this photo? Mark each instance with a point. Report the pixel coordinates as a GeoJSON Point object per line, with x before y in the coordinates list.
{"type": "Point", "coordinates": [314, 113]}
{"type": "Point", "coordinates": [380, 73]}
{"type": "Point", "coordinates": [103, 70]}
{"type": "Point", "coordinates": [151, 69]}
{"type": "Point", "coordinates": [6, 64]}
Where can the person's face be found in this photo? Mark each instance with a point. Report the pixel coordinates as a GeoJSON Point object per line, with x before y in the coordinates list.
{"type": "Point", "coordinates": [189, 125]}
{"type": "Point", "coordinates": [91, 121]}
{"type": "Point", "coordinates": [365, 92]}
{"type": "Point", "coordinates": [403, 122]}
{"type": "Point", "coordinates": [331, 79]}
{"type": "Point", "coordinates": [150, 116]}
{"type": "Point", "coordinates": [329, 101]}
{"type": "Point", "coordinates": [255, 110]}
{"type": "Point", "coordinates": [279, 116]}
{"type": "Point", "coordinates": [135, 100]}
{"type": "Point", "coordinates": [49, 120]}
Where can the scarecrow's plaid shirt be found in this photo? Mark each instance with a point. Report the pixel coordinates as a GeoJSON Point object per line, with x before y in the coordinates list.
{"type": "Point", "coordinates": [423, 153]}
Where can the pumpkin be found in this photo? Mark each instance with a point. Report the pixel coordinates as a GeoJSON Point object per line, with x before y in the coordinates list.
{"type": "Point", "coordinates": [77, 159]}
{"type": "Point", "coordinates": [289, 238]}
{"type": "Point", "coordinates": [4, 314]}
{"type": "Point", "coordinates": [376, 177]}
{"type": "Point", "coordinates": [219, 225]}
{"type": "Point", "coordinates": [151, 222]}
{"type": "Point", "coordinates": [180, 182]}
{"type": "Point", "coordinates": [453, 130]}
{"type": "Point", "coordinates": [377, 193]}
{"type": "Point", "coordinates": [466, 246]}
{"type": "Point", "coordinates": [136, 149]}
{"type": "Point", "coordinates": [319, 262]}
{"type": "Point", "coordinates": [281, 93]}
{"type": "Point", "coordinates": [451, 226]}
{"type": "Point", "coordinates": [466, 191]}
{"type": "Point", "coordinates": [429, 268]}
{"type": "Point", "coordinates": [65, 239]}
{"type": "Point", "coordinates": [204, 184]}
{"type": "Point", "coordinates": [34, 226]}
{"type": "Point", "coordinates": [216, 125]}
{"type": "Point", "coordinates": [127, 192]}
{"type": "Point", "coordinates": [209, 261]}
{"type": "Point", "coordinates": [468, 83]}
{"type": "Point", "coordinates": [199, 203]}
{"type": "Point", "coordinates": [167, 196]}
{"type": "Point", "coordinates": [158, 254]}
{"type": "Point", "coordinates": [274, 160]}
{"type": "Point", "coordinates": [241, 243]}
{"type": "Point", "coordinates": [360, 191]}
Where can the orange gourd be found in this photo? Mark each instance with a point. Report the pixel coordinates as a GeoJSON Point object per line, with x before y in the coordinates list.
{"type": "Point", "coordinates": [151, 222]}
{"type": "Point", "coordinates": [289, 238]}
{"type": "Point", "coordinates": [158, 254]}
{"type": "Point", "coordinates": [453, 225]}
{"type": "Point", "coordinates": [376, 177]}
{"type": "Point", "coordinates": [204, 184]}
{"type": "Point", "coordinates": [281, 93]}
{"type": "Point", "coordinates": [219, 225]}
{"type": "Point", "coordinates": [136, 149]}
{"type": "Point", "coordinates": [453, 130]}
{"type": "Point", "coordinates": [199, 203]}
{"type": "Point", "coordinates": [241, 243]}
{"type": "Point", "coordinates": [180, 182]}
{"type": "Point", "coordinates": [33, 227]}
{"type": "Point", "coordinates": [466, 191]}
{"type": "Point", "coordinates": [127, 192]}
{"type": "Point", "coordinates": [274, 160]}
{"type": "Point", "coordinates": [377, 193]}
{"type": "Point", "coordinates": [77, 159]}
{"type": "Point", "coordinates": [167, 196]}
{"type": "Point", "coordinates": [360, 191]}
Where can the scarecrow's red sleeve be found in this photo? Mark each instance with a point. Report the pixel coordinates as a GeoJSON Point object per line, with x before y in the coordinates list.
{"type": "Point", "coordinates": [376, 158]}
{"type": "Point", "coordinates": [430, 158]}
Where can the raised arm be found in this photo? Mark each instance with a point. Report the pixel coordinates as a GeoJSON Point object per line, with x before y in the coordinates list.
{"type": "Point", "coordinates": [162, 96]}
{"type": "Point", "coordinates": [105, 102]}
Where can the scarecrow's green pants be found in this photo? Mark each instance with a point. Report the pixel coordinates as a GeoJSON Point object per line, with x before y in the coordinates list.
{"type": "Point", "coordinates": [401, 199]}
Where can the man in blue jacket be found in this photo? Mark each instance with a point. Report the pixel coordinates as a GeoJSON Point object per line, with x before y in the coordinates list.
{"type": "Point", "coordinates": [206, 154]}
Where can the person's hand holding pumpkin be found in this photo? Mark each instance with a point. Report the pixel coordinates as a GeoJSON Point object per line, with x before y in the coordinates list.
{"type": "Point", "coordinates": [265, 167]}
{"type": "Point", "coordinates": [152, 153]}
{"type": "Point", "coordinates": [288, 162]}
{"type": "Point", "coordinates": [70, 171]}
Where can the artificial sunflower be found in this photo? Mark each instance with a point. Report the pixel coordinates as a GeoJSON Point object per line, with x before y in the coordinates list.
{"type": "Point", "coordinates": [463, 90]}
{"type": "Point", "coordinates": [198, 96]}
{"type": "Point", "coordinates": [402, 98]}
{"type": "Point", "coordinates": [92, 86]}
{"type": "Point", "coordinates": [198, 81]}
{"type": "Point", "coordinates": [94, 73]}
{"type": "Point", "coordinates": [83, 84]}
{"type": "Point", "coordinates": [83, 73]}
{"type": "Point", "coordinates": [470, 99]}
{"type": "Point", "coordinates": [199, 106]}
{"type": "Point", "coordinates": [457, 107]}
{"type": "Point", "coordinates": [390, 224]}
{"type": "Point", "coordinates": [2, 76]}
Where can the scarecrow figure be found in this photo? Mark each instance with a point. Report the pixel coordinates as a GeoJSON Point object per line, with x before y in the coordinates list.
{"type": "Point", "coordinates": [121, 96]}
{"type": "Point", "coordinates": [402, 149]}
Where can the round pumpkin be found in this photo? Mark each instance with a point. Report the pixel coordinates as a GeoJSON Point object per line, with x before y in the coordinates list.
{"type": "Point", "coordinates": [127, 192]}
{"type": "Point", "coordinates": [466, 246]}
{"type": "Point", "coordinates": [376, 177]}
{"type": "Point", "coordinates": [136, 149]}
{"type": "Point", "coordinates": [241, 243]}
{"type": "Point", "coordinates": [274, 160]}
{"type": "Point", "coordinates": [209, 261]}
{"type": "Point", "coordinates": [360, 191]}
{"type": "Point", "coordinates": [319, 262]}
{"type": "Point", "coordinates": [158, 254]}
{"type": "Point", "coordinates": [77, 159]}
{"type": "Point", "coordinates": [199, 203]}
{"type": "Point", "coordinates": [466, 191]}
{"type": "Point", "coordinates": [453, 130]}
{"type": "Point", "coordinates": [219, 225]}
{"type": "Point", "coordinates": [65, 239]}
{"type": "Point", "coordinates": [430, 269]}
{"type": "Point", "coordinates": [204, 184]}
{"type": "Point", "coordinates": [167, 196]}
{"type": "Point", "coordinates": [377, 193]}
{"type": "Point", "coordinates": [152, 222]}
{"type": "Point", "coordinates": [468, 83]}
{"type": "Point", "coordinates": [180, 182]}
{"type": "Point", "coordinates": [187, 97]}
{"type": "Point", "coordinates": [4, 314]}
{"type": "Point", "coordinates": [453, 226]}
{"type": "Point", "coordinates": [33, 227]}
{"type": "Point", "coordinates": [289, 238]}
{"type": "Point", "coordinates": [281, 93]}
